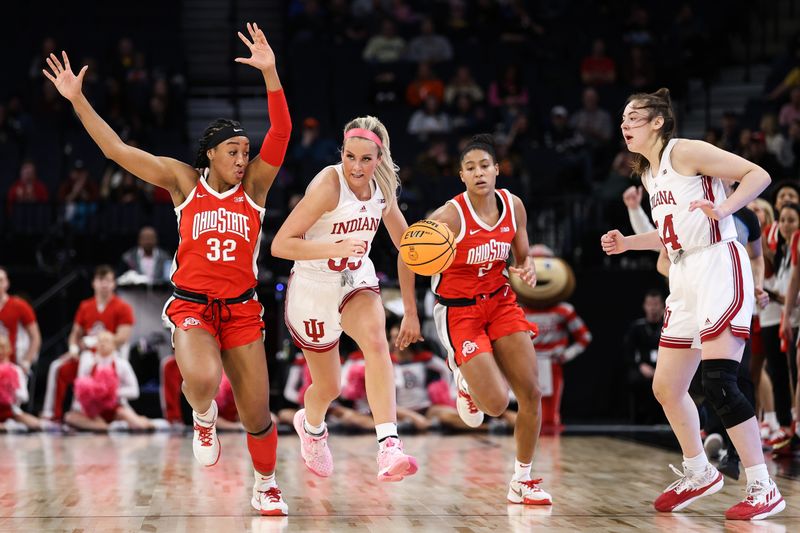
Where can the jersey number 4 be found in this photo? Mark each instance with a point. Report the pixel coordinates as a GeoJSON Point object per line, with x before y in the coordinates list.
{"type": "Point", "coordinates": [222, 250]}
{"type": "Point", "coordinates": [668, 235]}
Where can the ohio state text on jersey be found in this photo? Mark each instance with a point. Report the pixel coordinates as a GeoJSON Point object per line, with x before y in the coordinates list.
{"type": "Point", "coordinates": [351, 219]}
{"type": "Point", "coordinates": [670, 195]}
{"type": "Point", "coordinates": [481, 252]}
{"type": "Point", "coordinates": [219, 236]}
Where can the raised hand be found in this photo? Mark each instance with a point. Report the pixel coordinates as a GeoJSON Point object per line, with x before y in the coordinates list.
{"type": "Point", "coordinates": [261, 55]}
{"type": "Point", "coordinates": [632, 197]}
{"type": "Point", "coordinates": [613, 242]}
{"type": "Point", "coordinates": [67, 83]}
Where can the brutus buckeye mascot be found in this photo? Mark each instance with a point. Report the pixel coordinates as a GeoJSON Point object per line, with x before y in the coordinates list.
{"type": "Point", "coordinates": [562, 334]}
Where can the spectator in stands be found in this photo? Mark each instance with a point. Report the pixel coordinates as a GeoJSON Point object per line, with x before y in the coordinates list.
{"type": "Point", "coordinates": [428, 120]}
{"type": "Point", "coordinates": [468, 117]}
{"type": "Point", "coordinates": [78, 187]}
{"type": "Point", "coordinates": [130, 190]}
{"type": "Point", "coordinates": [775, 141]}
{"type": "Point", "coordinates": [462, 84]}
{"type": "Point", "coordinates": [104, 385]}
{"type": "Point", "coordinates": [638, 31]}
{"type": "Point", "coordinates": [713, 136]}
{"type": "Point", "coordinates": [598, 68]}
{"type": "Point", "coordinates": [428, 45]}
{"type": "Point", "coordinates": [15, 313]}
{"type": "Point", "coordinates": [640, 349]}
{"type": "Point", "coordinates": [592, 121]}
{"type": "Point", "coordinates": [560, 136]}
{"type": "Point", "coordinates": [508, 95]}
{"type": "Point", "coordinates": [639, 72]}
{"type": "Point", "coordinates": [790, 111]}
{"type": "Point", "coordinates": [28, 189]}
{"type": "Point", "coordinates": [313, 151]}
{"type": "Point", "coordinates": [147, 259]}
{"type": "Point", "coordinates": [729, 132]}
{"type": "Point", "coordinates": [38, 62]}
{"type": "Point", "coordinates": [104, 311]}
{"type": "Point", "coordinates": [435, 162]}
{"type": "Point", "coordinates": [385, 47]}
{"type": "Point", "coordinates": [425, 84]}
{"type": "Point", "coordinates": [758, 154]}
{"type": "Point", "coordinates": [794, 146]}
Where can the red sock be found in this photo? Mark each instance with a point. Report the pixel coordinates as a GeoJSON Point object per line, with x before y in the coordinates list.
{"type": "Point", "coordinates": [263, 451]}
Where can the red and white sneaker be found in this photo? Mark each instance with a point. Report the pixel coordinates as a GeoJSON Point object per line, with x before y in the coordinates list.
{"type": "Point", "coordinates": [267, 500]}
{"type": "Point", "coordinates": [528, 492]}
{"type": "Point", "coordinates": [393, 464]}
{"type": "Point", "coordinates": [763, 500]}
{"type": "Point", "coordinates": [688, 488]}
{"type": "Point", "coordinates": [778, 439]}
{"type": "Point", "coordinates": [205, 444]}
{"type": "Point", "coordinates": [467, 410]}
{"type": "Point", "coordinates": [314, 450]}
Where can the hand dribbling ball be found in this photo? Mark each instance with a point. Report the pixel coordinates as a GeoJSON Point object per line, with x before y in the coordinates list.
{"type": "Point", "coordinates": [428, 247]}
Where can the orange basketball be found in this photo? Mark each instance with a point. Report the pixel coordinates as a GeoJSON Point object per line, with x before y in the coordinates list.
{"type": "Point", "coordinates": [427, 247]}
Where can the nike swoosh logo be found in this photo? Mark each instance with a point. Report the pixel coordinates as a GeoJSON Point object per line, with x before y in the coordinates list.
{"type": "Point", "coordinates": [473, 231]}
{"type": "Point", "coordinates": [517, 492]}
{"type": "Point", "coordinates": [201, 195]}
{"type": "Point", "coordinates": [234, 129]}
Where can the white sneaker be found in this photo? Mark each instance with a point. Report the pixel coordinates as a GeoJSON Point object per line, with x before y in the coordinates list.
{"type": "Point", "coordinates": [12, 426]}
{"type": "Point", "coordinates": [118, 425]}
{"type": "Point", "coordinates": [159, 424]}
{"type": "Point", "coordinates": [205, 443]}
{"type": "Point", "coordinates": [528, 492]}
{"type": "Point", "coordinates": [763, 500]}
{"type": "Point", "coordinates": [467, 410]}
{"type": "Point", "coordinates": [267, 500]}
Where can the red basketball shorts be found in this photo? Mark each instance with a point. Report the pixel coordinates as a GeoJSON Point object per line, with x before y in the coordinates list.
{"type": "Point", "coordinates": [467, 331]}
{"type": "Point", "coordinates": [243, 327]}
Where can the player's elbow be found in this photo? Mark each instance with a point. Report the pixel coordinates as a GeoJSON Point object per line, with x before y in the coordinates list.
{"type": "Point", "coordinates": [278, 248]}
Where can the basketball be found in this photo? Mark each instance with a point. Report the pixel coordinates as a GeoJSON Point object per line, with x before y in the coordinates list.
{"type": "Point", "coordinates": [427, 247]}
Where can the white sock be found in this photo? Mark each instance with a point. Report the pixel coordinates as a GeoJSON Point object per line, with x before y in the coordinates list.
{"type": "Point", "coordinates": [388, 429]}
{"type": "Point", "coordinates": [696, 464]}
{"type": "Point", "coordinates": [522, 471]}
{"type": "Point", "coordinates": [771, 419]}
{"type": "Point", "coordinates": [210, 416]}
{"type": "Point", "coordinates": [263, 480]}
{"type": "Point", "coordinates": [757, 473]}
{"type": "Point", "coordinates": [316, 431]}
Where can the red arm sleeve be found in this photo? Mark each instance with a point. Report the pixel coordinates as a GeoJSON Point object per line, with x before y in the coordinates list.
{"type": "Point", "coordinates": [274, 147]}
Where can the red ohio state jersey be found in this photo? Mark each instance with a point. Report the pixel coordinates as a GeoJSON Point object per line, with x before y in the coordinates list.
{"type": "Point", "coordinates": [481, 252]}
{"type": "Point", "coordinates": [219, 236]}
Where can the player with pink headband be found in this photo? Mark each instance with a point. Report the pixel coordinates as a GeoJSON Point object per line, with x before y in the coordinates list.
{"type": "Point", "coordinates": [333, 288]}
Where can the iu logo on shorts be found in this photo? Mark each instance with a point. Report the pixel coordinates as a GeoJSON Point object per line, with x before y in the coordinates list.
{"type": "Point", "coordinates": [315, 330]}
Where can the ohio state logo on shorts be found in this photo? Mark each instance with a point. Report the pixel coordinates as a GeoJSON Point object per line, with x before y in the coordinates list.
{"type": "Point", "coordinates": [190, 322]}
{"type": "Point", "coordinates": [468, 347]}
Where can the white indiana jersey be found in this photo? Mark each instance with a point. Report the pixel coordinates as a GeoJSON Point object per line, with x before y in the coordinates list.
{"type": "Point", "coordinates": [351, 219]}
{"type": "Point", "coordinates": [670, 195]}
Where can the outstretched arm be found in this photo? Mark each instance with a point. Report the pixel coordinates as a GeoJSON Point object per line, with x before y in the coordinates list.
{"type": "Point", "coordinates": [410, 328]}
{"type": "Point", "coordinates": [261, 171]}
{"type": "Point", "coordinates": [178, 178]}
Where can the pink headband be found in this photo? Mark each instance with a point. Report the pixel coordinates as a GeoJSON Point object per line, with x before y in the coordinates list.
{"type": "Point", "coordinates": [364, 133]}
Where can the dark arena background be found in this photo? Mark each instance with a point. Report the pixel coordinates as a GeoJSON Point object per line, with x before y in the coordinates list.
{"type": "Point", "coordinates": [548, 79]}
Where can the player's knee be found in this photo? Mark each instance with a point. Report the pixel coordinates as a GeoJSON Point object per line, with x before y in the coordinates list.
{"type": "Point", "coordinates": [255, 422]}
{"type": "Point", "coordinates": [531, 398]}
{"type": "Point", "coordinates": [665, 392]}
{"type": "Point", "coordinates": [496, 405]}
{"type": "Point", "coordinates": [204, 385]}
{"type": "Point", "coordinates": [722, 391]}
{"type": "Point", "coordinates": [374, 342]}
{"type": "Point", "coordinates": [328, 389]}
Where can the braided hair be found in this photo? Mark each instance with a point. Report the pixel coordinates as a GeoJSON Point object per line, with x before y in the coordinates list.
{"type": "Point", "coordinates": [201, 161]}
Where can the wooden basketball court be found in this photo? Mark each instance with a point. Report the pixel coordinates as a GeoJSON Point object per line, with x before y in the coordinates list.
{"type": "Point", "coordinates": [151, 483]}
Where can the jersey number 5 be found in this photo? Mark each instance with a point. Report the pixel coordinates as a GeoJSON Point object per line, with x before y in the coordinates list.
{"type": "Point", "coordinates": [223, 250]}
{"type": "Point", "coordinates": [668, 235]}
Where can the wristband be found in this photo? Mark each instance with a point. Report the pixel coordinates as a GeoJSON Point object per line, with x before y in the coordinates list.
{"type": "Point", "coordinates": [74, 349]}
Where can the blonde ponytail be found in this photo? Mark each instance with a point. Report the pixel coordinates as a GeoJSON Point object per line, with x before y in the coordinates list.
{"type": "Point", "coordinates": [386, 171]}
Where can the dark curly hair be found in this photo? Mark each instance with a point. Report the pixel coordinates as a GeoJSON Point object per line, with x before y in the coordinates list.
{"type": "Point", "coordinates": [482, 141]}
{"type": "Point", "coordinates": [201, 161]}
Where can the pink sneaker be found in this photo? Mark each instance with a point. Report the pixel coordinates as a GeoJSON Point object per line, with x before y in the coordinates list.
{"type": "Point", "coordinates": [393, 464]}
{"type": "Point", "coordinates": [314, 450]}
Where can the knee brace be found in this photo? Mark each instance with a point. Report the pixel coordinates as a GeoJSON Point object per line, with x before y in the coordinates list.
{"type": "Point", "coordinates": [722, 391]}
